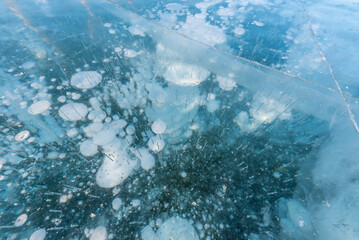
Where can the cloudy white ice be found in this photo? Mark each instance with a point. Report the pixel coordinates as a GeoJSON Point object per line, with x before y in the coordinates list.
{"type": "Point", "coordinates": [154, 120]}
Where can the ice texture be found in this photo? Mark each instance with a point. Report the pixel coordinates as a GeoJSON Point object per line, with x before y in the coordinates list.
{"type": "Point", "coordinates": [203, 119]}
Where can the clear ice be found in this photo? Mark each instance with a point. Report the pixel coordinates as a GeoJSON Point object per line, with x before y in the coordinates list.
{"type": "Point", "coordinates": [183, 120]}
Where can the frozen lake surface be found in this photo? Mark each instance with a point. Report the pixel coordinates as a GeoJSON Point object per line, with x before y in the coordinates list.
{"type": "Point", "coordinates": [157, 120]}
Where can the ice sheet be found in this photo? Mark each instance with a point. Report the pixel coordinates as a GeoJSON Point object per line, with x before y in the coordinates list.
{"type": "Point", "coordinates": [195, 120]}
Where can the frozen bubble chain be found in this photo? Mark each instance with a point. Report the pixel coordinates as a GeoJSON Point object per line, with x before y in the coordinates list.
{"type": "Point", "coordinates": [159, 127]}
{"type": "Point", "coordinates": [86, 79]}
{"type": "Point", "coordinates": [39, 107]}
{"type": "Point", "coordinates": [73, 111]}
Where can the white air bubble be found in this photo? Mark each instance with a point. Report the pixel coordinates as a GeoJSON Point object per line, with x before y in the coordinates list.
{"type": "Point", "coordinates": [156, 144]}
{"type": "Point", "coordinates": [73, 111]}
{"type": "Point", "coordinates": [86, 79]}
{"type": "Point", "coordinates": [88, 148]}
{"type": "Point", "coordinates": [21, 220]}
{"type": "Point", "coordinates": [130, 130]}
{"type": "Point", "coordinates": [72, 132]}
{"type": "Point", "coordinates": [116, 204]}
{"type": "Point", "coordinates": [21, 136]}
{"type": "Point", "coordinates": [135, 203]}
{"type": "Point", "coordinates": [99, 233]}
{"type": "Point", "coordinates": [38, 234]}
{"type": "Point", "coordinates": [61, 99]}
{"type": "Point", "coordinates": [28, 65]}
{"type": "Point", "coordinates": [146, 158]}
{"type": "Point", "coordinates": [39, 107]}
{"type": "Point", "coordinates": [176, 228]}
{"type": "Point", "coordinates": [159, 127]}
